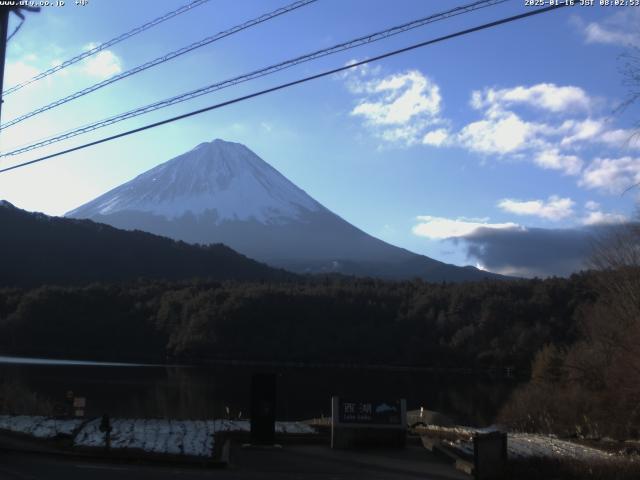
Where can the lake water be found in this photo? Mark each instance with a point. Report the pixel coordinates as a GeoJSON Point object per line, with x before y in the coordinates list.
{"type": "Point", "coordinates": [182, 392]}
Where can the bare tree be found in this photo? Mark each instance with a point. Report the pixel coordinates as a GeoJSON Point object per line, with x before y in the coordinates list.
{"type": "Point", "coordinates": [630, 71]}
{"type": "Point", "coordinates": [612, 326]}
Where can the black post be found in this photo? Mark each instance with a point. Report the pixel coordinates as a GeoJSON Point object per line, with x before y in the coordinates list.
{"type": "Point", "coordinates": [4, 26]}
{"type": "Point", "coordinates": [105, 427]}
{"type": "Point", "coordinates": [263, 408]}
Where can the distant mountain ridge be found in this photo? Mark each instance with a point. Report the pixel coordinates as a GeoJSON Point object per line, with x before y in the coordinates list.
{"type": "Point", "coordinates": [222, 192]}
{"type": "Point", "coordinates": [37, 249]}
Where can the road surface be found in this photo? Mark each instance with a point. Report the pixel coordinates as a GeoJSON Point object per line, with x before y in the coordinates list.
{"type": "Point", "coordinates": [289, 462]}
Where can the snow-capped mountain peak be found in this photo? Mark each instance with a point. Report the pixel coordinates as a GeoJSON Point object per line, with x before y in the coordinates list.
{"type": "Point", "coordinates": [223, 178]}
{"type": "Point", "coordinates": [222, 192]}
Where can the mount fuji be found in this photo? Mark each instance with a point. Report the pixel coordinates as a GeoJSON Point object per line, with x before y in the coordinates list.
{"type": "Point", "coordinates": [222, 192]}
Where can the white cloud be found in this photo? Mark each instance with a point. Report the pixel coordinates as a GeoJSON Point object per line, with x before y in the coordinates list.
{"type": "Point", "coordinates": [408, 134]}
{"type": "Point", "coordinates": [612, 175]}
{"type": "Point", "coordinates": [437, 138]}
{"type": "Point", "coordinates": [399, 108]}
{"type": "Point", "coordinates": [357, 78]}
{"type": "Point", "coordinates": [405, 109]}
{"type": "Point", "coordinates": [592, 205]}
{"type": "Point", "coordinates": [581, 130]}
{"type": "Point", "coordinates": [547, 96]}
{"type": "Point", "coordinates": [555, 208]}
{"type": "Point", "coordinates": [441, 228]}
{"type": "Point", "coordinates": [599, 218]}
{"type": "Point", "coordinates": [577, 132]}
{"type": "Point", "coordinates": [103, 64]}
{"type": "Point", "coordinates": [502, 131]}
{"type": "Point", "coordinates": [596, 33]}
{"type": "Point", "coordinates": [552, 145]}
{"type": "Point", "coordinates": [18, 72]}
{"type": "Point", "coordinates": [552, 159]}
{"type": "Point", "coordinates": [619, 29]}
{"type": "Point", "coordinates": [622, 138]}
{"type": "Point", "coordinates": [595, 215]}
{"type": "Point", "coordinates": [502, 135]}
{"type": "Point", "coordinates": [402, 97]}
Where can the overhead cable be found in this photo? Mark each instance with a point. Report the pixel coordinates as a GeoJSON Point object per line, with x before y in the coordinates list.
{"type": "Point", "coordinates": [160, 60]}
{"type": "Point", "coordinates": [107, 44]}
{"type": "Point", "coordinates": [290, 84]}
{"type": "Point", "coordinates": [256, 74]}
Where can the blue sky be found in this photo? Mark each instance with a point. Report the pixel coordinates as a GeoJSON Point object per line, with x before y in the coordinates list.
{"type": "Point", "coordinates": [504, 137]}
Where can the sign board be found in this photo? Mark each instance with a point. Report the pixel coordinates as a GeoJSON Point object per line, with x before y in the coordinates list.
{"type": "Point", "coordinates": [79, 402]}
{"type": "Point", "coordinates": [370, 412]}
{"type": "Point", "coordinates": [356, 423]}
{"type": "Point", "coordinates": [79, 413]}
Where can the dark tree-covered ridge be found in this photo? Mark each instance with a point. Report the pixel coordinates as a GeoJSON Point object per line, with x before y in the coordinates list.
{"type": "Point", "coordinates": [36, 249]}
{"type": "Point", "coordinates": [327, 321]}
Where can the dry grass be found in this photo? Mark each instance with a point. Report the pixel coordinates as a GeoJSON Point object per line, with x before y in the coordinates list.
{"type": "Point", "coordinates": [622, 467]}
{"type": "Point", "coordinates": [567, 411]}
{"type": "Point", "coordinates": [567, 469]}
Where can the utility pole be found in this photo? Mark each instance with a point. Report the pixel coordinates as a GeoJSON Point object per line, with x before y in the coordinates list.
{"type": "Point", "coordinates": [4, 27]}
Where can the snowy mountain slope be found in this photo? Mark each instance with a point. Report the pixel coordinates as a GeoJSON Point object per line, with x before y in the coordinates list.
{"type": "Point", "coordinates": [222, 192]}
{"type": "Point", "coordinates": [222, 177]}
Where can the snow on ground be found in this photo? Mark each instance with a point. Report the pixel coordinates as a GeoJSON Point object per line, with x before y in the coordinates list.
{"type": "Point", "coordinates": [39, 427]}
{"type": "Point", "coordinates": [524, 445]}
{"type": "Point", "coordinates": [175, 437]}
{"type": "Point", "coordinates": [195, 437]}
{"type": "Point", "coordinates": [294, 427]}
{"type": "Point", "coordinates": [527, 445]}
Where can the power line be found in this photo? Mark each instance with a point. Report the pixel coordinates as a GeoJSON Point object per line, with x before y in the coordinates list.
{"type": "Point", "coordinates": [262, 72]}
{"type": "Point", "coordinates": [162, 59]}
{"type": "Point", "coordinates": [374, 37]}
{"type": "Point", "coordinates": [102, 46]}
{"type": "Point", "coordinates": [290, 84]}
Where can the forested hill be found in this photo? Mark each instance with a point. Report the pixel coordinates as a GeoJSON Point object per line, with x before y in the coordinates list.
{"type": "Point", "coordinates": [36, 249]}
{"type": "Point", "coordinates": [331, 320]}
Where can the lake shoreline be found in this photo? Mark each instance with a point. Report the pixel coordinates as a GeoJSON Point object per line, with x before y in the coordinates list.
{"type": "Point", "coordinates": [500, 372]}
